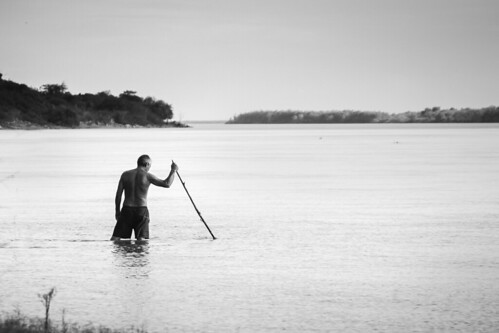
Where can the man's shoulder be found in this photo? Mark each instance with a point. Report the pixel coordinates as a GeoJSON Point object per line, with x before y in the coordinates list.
{"type": "Point", "coordinates": [128, 173]}
{"type": "Point", "coordinates": [143, 174]}
{"type": "Point", "coordinates": [149, 175]}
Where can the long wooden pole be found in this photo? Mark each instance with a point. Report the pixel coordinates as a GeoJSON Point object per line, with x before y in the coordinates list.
{"type": "Point", "coordinates": [197, 210]}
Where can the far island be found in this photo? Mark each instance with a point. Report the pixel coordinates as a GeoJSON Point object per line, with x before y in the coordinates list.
{"type": "Point", "coordinates": [52, 106]}
{"type": "Point", "coordinates": [430, 115]}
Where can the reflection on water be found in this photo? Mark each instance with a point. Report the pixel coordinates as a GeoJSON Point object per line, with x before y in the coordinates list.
{"type": "Point", "coordinates": [132, 269]}
{"type": "Point", "coordinates": [132, 258]}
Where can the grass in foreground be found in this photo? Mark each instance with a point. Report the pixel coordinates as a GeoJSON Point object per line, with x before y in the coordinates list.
{"type": "Point", "coordinates": [18, 323]}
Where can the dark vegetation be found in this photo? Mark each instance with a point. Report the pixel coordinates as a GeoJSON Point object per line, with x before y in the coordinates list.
{"type": "Point", "coordinates": [53, 106]}
{"type": "Point", "coordinates": [430, 115]}
{"type": "Point", "coordinates": [18, 323]}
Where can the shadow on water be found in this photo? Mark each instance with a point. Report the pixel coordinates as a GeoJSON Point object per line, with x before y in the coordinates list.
{"type": "Point", "coordinates": [132, 258]}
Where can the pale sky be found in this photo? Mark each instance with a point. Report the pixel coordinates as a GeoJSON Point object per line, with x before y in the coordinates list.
{"type": "Point", "coordinates": [212, 59]}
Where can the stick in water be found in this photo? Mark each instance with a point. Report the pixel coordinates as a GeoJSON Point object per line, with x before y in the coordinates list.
{"type": "Point", "coordinates": [197, 210]}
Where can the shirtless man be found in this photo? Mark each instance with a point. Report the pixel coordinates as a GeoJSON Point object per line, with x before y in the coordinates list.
{"type": "Point", "coordinates": [134, 214]}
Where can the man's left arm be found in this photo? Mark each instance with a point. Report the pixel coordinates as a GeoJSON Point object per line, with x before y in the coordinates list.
{"type": "Point", "coordinates": [166, 182]}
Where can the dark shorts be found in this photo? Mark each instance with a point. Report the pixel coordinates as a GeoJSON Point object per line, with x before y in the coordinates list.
{"type": "Point", "coordinates": [136, 218]}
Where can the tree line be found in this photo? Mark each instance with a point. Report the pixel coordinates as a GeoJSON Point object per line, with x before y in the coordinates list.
{"type": "Point", "coordinates": [429, 115]}
{"type": "Point", "coordinates": [52, 105]}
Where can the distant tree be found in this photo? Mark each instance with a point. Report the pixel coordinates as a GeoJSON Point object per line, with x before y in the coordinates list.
{"type": "Point", "coordinates": [159, 108]}
{"type": "Point", "coordinates": [162, 110]}
{"type": "Point", "coordinates": [62, 117]}
{"type": "Point", "coordinates": [130, 95]}
{"type": "Point", "coordinates": [54, 89]}
{"type": "Point", "coordinates": [109, 102]}
{"type": "Point", "coordinates": [491, 114]}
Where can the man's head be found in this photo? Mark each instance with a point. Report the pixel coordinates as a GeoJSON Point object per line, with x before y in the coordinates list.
{"type": "Point", "coordinates": [144, 161]}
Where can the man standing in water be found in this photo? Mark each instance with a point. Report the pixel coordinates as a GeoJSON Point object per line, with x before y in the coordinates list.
{"type": "Point", "coordinates": [134, 214]}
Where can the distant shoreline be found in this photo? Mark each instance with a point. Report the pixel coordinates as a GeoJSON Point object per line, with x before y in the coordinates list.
{"type": "Point", "coordinates": [52, 106]}
{"type": "Point", "coordinates": [429, 115]}
{"type": "Point", "coordinates": [26, 125]}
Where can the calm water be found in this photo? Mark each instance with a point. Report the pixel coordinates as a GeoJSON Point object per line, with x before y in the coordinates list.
{"type": "Point", "coordinates": [353, 228]}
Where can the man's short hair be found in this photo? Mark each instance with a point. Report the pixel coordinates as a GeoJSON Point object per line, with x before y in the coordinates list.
{"type": "Point", "coordinates": [142, 161]}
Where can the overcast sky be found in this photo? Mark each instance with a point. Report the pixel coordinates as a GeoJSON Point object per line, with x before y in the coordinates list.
{"type": "Point", "coordinates": [212, 59]}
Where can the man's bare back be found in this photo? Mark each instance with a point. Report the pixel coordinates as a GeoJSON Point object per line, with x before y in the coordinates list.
{"type": "Point", "coordinates": [135, 183]}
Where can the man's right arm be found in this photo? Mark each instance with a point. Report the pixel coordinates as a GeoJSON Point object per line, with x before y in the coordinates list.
{"type": "Point", "coordinates": [117, 200]}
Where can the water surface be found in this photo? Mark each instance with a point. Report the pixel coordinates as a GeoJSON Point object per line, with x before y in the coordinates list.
{"type": "Point", "coordinates": [320, 228]}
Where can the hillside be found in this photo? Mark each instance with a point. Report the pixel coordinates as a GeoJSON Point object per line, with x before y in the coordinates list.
{"type": "Point", "coordinates": [52, 106]}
